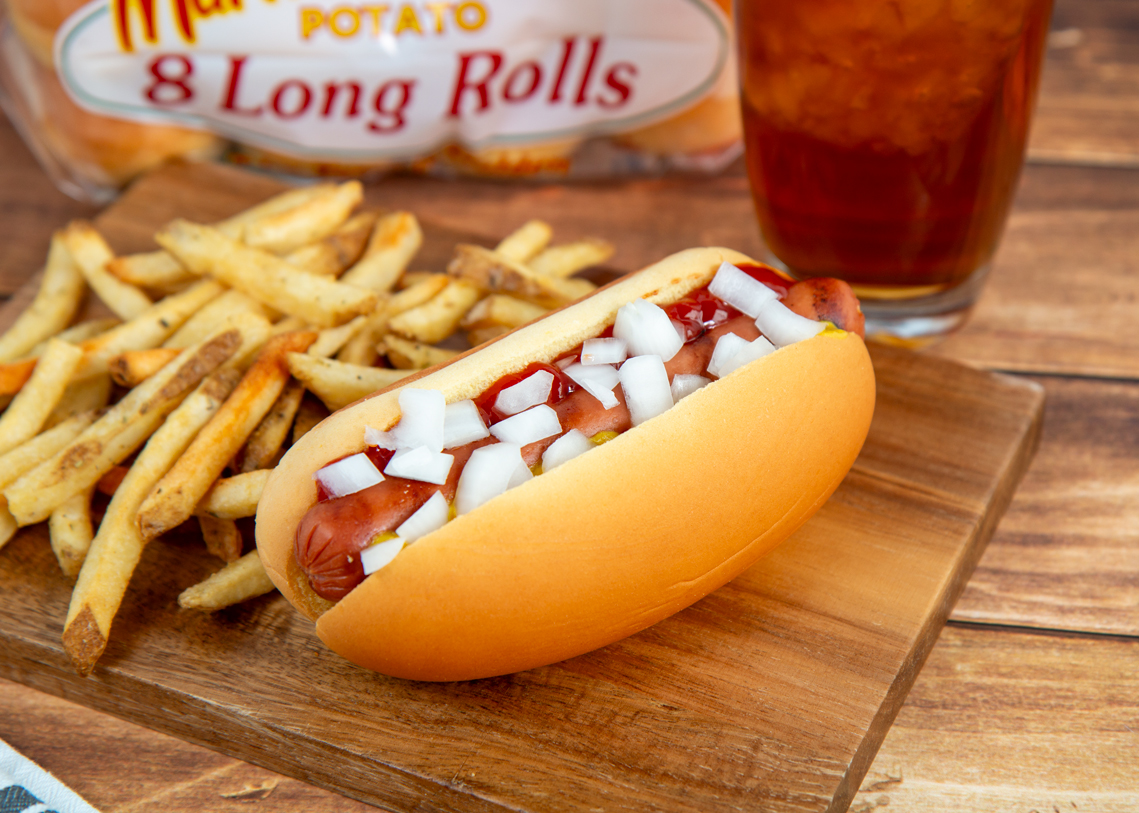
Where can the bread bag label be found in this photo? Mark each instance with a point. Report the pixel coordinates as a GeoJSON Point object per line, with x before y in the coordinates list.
{"type": "Point", "coordinates": [360, 82]}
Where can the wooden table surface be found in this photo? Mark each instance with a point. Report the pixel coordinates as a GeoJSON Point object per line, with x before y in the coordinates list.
{"type": "Point", "coordinates": [1030, 699]}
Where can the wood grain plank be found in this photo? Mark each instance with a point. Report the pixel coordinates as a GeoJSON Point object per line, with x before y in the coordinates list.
{"type": "Point", "coordinates": [122, 768]}
{"type": "Point", "coordinates": [999, 720]}
{"type": "Point", "coordinates": [1088, 110]}
{"type": "Point", "coordinates": [1066, 554]}
{"type": "Point", "coordinates": [774, 690]}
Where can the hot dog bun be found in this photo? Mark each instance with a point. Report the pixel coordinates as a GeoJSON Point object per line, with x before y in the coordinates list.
{"type": "Point", "coordinates": [608, 543]}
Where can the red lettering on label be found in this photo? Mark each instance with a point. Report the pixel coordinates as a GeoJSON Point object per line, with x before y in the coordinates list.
{"type": "Point", "coordinates": [464, 83]}
{"type": "Point", "coordinates": [623, 86]}
{"type": "Point", "coordinates": [332, 90]}
{"type": "Point", "coordinates": [169, 80]}
{"type": "Point", "coordinates": [303, 98]}
{"type": "Point", "coordinates": [594, 50]}
{"type": "Point", "coordinates": [236, 66]}
{"type": "Point", "coordinates": [530, 74]}
{"type": "Point", "coordinates": [391, 101]}
{"type": "Point", "coordinates": [567, 53]}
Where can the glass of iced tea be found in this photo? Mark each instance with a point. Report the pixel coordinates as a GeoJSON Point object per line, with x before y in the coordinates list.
{"type": "Point", "coordinates": [884, 141]}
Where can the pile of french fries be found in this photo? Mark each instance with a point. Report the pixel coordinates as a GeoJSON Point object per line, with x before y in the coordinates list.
{"type": "Point", "coordinates": [225, 346]}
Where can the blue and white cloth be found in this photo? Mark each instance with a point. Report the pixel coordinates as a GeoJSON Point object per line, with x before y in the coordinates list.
{"type": "Point", "coordinates": [25, 787]}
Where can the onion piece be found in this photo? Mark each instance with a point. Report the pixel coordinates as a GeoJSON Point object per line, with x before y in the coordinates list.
{"type": "Point", "coordinates": [420, 464]}
{"type": "Point", "coordinates": [645, 384]}
{"type": "Point", "coordinates": [380, 555]}
{"type": "Point", "coordinates": [521, 475]}
{"type": "Point", "coordinates": [431, 516]}
{"type": "Point", "coordinates": [528, 392]}
{"type": "Point", "coordinates": [782, 326]}
{"type": "Point", "coordinates": [348, 475]}
{"type": "Point", "coordinates": [684, 385]}
{"type": "Point", "coordinates": [647, 330]}
{"type": "Point", "coordinates": [462, 424]}
{"type": "Point", "coordinates": [741, 291]}
{"type": "Point", "coordinates": [726, 346]}
{"type": "Point", "coordinates": [526, 427]}
{"type": "Point", "coordinates": [598, 380]}
{"type": "Point", "coordinates": [383, 440]}
{"type": "Point", "coordinates": [604, 351]}
{"type": "Point", "coordinates": [749, 352]}
{"type": "Point", "coordinates": [487, 474]}
{"type": "Point", "coordinates": [567, 447]}
{"type": "Point", "coordinates": [421, 419]}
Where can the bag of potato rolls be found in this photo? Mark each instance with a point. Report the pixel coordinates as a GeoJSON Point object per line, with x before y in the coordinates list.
{"type": "Point", "coordinates": [106, 89]}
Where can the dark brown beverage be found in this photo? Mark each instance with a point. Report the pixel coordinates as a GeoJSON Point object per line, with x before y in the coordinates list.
{"type": "Point", "coordinates": [884, 140]}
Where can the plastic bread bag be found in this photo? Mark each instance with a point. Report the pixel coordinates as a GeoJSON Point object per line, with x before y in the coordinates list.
{"type": "Point", "coordinates": [105, 90]}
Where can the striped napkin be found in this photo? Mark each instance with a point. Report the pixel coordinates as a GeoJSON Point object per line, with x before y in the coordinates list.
{"type": "Point", "coordinates": [25, 787]}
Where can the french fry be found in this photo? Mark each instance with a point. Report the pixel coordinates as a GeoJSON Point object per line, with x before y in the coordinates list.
{"type": "Point", "coordinates": [312, 411]}
{"type": "Point", "coordinates": [525, 242]}
{"type": "Point", "coordinates": [361, 348]}
{"type": "Point", "coordinates": [60, 293]}
{"type": "Point", "coordinates": [268, 279]}
{"type": "Point", "coordinates": [120, 431]}
{"type": "Point", "coordinates": [27, 456]}
{"type": "Point", "coordinates": [405, 354]}
{"type": "Point", "coordinates": [496, 274]}
{"type": "Point", "coordinates": [77, 334]}
{"type": "Point", "coordinates": [71, 532]}
{"type": "Point", "coordinates": [332, 339]}
{"type": "Point", "coordinates": [234, 497]}
{"type": "Point", "coordinates": [236, 582]}
{"type": "Point", "coordinates": [410, 278]}
{"type": "Point", "coordinates": [306, 223]}
{"type": "Point", "coordinates": [131, 368]}
{"type": "Point", "coordinates": [173, 499]}
{"type": "Point", "coordinates": [118, 545]}
{"type": "Point", "coordinates": [31, 408]}
{"type": "Point", "coordinates": [81, 395]}
{"type": "Point", "coordinates": [263, 445]}
{"type": "Point", "coordinates": [91, 254]}
{"type": "Point", "coordinates": [438, 318]}
{"type": "Point", "coordinates": [157, 270]}
{"type": "Point", "coordinates": [338, 384]}
{"type": "Point", "coordinates": [332, 255]}
{"type": "Point", "coordinates": [569, 258]}
{"type": "Point", "coordinates": [215, 314]}
{"type": "Point", "coordinates": [395, 240]}
{"type": "Point", "coordinates": [290, 200]}
{"type": "Point", "coordinates": [499, 310]}
{"type": "Point", "coordinates": [222, 537]}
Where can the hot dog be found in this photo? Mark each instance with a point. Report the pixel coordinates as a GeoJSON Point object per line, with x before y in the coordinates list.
{"type": "Point", "coordinates": [605, 544]}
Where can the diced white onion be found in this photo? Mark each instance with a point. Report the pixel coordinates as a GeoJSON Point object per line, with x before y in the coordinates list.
{"type": "Point", "coordinates": [783, 326]}
{"type": "Point", "coordinates": [726, 346]}
{"type": "Point", "coordinates": [749, 352]}
{"type": "Point", "coordinates": [431, 516]}
{"type": "Point", "coordinates": [349, 475]}
{"type": "Point", "coordinates": [604, 351]}
{"type": "Point", "coordinates": [598, 380]}
{"type": "Point", "coordinates": [420, 464]}
{"type": "Point", "coordinates": [743, 292]}
{"type": "Point", "coordinates": [487, 474]}
{"type": "Point", "coordinates": [645, 384]}
{"type": "Point", "coordinates": [462, 424]}
{"type": "Point", "coordinates": [380, 555]}
{"type": "Point", "coordinates": [421, 419]}
{"type": "Point", "coordinates": [384, 440]}
{"type": "Point", "coordinates": [528, 392]}
{"type": "Point", "coordinates": [561, 364]}
{"type": "Point", "coordinates": [567, 447]}
{"type": "Point", "coordinates": [526, 427]}
{"type": "Point", "coordinates": [647, 330]}
{"type": "Point", "coordinates": [684, 385]}
{"type": "Point", "coordinates": [521, 475]}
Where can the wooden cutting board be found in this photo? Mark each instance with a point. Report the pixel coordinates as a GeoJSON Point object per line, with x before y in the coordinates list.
{"type": "Point", "coordinates": [773, 693]}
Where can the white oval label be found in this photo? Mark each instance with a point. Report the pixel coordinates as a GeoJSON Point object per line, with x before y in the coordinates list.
{"type": "Point", "coordinates": [398, 80]}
